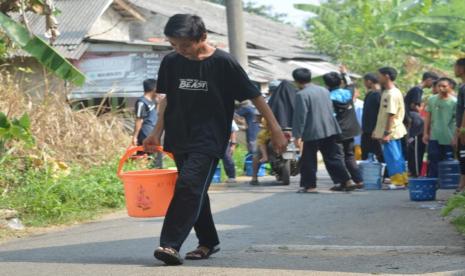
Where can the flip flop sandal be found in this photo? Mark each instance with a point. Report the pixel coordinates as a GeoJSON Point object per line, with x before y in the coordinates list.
{"type": "Point", "coordinates": [168, 255]}
{"type": "Point", "coordinates": [199, 254]}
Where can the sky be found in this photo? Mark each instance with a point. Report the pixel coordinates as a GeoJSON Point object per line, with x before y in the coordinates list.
{"type": "Point", "coordinates": [295, 16]}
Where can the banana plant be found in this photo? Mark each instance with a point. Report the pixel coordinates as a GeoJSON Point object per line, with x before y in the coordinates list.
{"type": "Point", "coordinates": [41, 50]}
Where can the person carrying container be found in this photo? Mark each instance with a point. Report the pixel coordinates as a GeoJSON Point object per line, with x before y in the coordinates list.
{"type": "Point", "coordinates": [201, 84]}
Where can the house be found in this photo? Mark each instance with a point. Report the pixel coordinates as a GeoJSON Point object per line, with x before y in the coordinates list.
{"type": "Point", "coordinates": [119, 43]}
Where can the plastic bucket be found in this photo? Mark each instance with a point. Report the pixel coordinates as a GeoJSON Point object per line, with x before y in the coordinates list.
{"type": "Point", "coordinates": [217, 175]}
{"type": "Point", "coordinates": [422, 189]}
{"type": "Point", "coordinates": [148, 192]}
{"type": "Point", "coordinates": [248, 166]}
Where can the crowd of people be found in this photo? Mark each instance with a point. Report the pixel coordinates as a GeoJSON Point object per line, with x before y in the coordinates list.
{"type": "Point", "coordinates": [386, 125]}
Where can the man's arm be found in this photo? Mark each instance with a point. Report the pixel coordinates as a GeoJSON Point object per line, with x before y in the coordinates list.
{"type": "Point", "coordinates": [388, 128]}
{"type": "Point", "coordinates": [233, 140]}
{"type": "Point", "coordinates": [278, 140]}
{"type": "Point", "coordinates": [427, 128]}
{"type": "Point", "coordinates": [137, 128]}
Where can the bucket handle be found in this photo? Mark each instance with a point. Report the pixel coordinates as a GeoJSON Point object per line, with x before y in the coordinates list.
{"type": "Point", "coordinates": [131, 150]}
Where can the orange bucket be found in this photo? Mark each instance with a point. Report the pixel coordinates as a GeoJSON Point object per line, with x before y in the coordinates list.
{"type": "Point", "coordinates": [148, 192]}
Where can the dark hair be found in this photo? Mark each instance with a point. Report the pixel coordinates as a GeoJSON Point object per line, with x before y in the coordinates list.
{"type": "Point", "coordinates": [185, 26]}
{"type": "Point", "coordinates": [333, 80]}
{"type": "Point", "coordinates": [435, 83]}
{"type": "Point", "coordinates": [430, 75]}
{"type": "Point", "coordinates": [388, 71]}
{"type": "Point", "coordinates": [460, 62]}
{"type": "Point", "coordinates": [451, 82]}
{"type": "Point", "coordinates": [150, 85]}
{"type": "Point", "coordinates": [371, 77]}
{"type": "Point", "coordinates": [302, 75]}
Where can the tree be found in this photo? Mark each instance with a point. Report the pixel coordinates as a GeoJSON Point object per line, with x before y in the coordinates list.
{"type": "Point", "coordinates": [368, 34]}
{"type": "Point", "coordinates": [13, 34]}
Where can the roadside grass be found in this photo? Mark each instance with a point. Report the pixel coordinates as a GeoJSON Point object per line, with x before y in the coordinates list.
{"type": "Point", "coordinates": [44, 197]}
{"type": "Point", "coordinates": [455, 208]}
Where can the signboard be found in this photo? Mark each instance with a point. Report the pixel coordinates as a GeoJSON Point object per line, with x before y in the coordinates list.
{"type": "Point", "coordinates": [116, 74]}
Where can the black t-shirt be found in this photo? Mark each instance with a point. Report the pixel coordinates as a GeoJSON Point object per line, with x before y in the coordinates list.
{"type": "Point", "coordinates": [413, 96]}
{"type": "Point", "coordinates": [460, 105]}
{"type": "Point", "coordinates": [370, 111]}
{"type": "Point", "coordinates": [201, 97]}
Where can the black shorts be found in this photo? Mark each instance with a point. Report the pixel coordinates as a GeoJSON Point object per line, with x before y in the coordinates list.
{"type": "Point", "coordinates": [461, 157]}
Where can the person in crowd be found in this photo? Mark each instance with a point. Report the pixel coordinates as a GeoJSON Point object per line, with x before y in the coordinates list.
{"type": "Point", "coordinates": [261, 155]}
{"type": "Point", "coordinates": [201, 84]}
{"type": "Point", "coordinates": [414, 123]}
{"type": "Point", "coordinates": [228, 160]}
{"type": "Point", "coordinates": [390, 128]}
{"type": "Point", "coordinates": [318, 133]}
{"type": "Point", "coordinates": [345, 114]}
{"type": "Point", "coordinates": [247, 110]}
{"type": "Point", "coordinates": [459, 69]}
{"type": "Point", "coordinates": [440, 125]}
{"type": "Point", "coordinates": [282, 103]}
{"type": "Point", "coordinates": [358, 105]}
{"type": "Point", "coordinates": [370, 114]}
{"type": "Point", "coordinates": [146, 117]}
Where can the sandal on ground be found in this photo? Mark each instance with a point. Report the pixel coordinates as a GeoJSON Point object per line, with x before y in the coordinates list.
{"type": "Point", "coordinates": [307, 191]}
{"type": "Point", "coordinates": [168, 255]}
{"type": "Point", "coordinates": [202, 253]}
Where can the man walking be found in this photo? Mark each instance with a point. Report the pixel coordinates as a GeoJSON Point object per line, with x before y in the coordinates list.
{"type": "Point", "coordinates": [415, 124]}
{"type": "Point", "coordinates": [390, 128]}
{"type": "Point", "coordinates": [201, 84]}
{"type": "Point", "coordinates": [319, 133]}
{"type": "Point", "coordinates": [440, 124]}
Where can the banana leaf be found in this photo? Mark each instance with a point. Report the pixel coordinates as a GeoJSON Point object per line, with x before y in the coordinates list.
{"type": "Point", "coordinates": [41, 50]}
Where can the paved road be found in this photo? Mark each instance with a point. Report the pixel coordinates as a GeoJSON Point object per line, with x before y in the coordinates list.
{"type": "Point", "coordinates": [265, 230]}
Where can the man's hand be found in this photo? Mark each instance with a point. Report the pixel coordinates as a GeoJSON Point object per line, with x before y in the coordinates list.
{"type": "Point", "coordinates": [233, 148]}
{"type": "Point", "coordinates": [386, 139]}
{"type": "Point", "coordinates": [462, 138]}
{"type": "Point", "coordinates": [425, 139]}
{"type": "Point", "coordinates": [134, 142]}
{"type": "Point", "coordinates": [278, 141]}
{"type": "Point", "coordinates": [343, 69]}
{"type": "Point", "coordinates": [152, 142]}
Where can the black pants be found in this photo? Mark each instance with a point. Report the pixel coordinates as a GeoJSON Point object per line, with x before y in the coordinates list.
{"type": "Point", "coordinates": [461, 157]}
{"type": "Point", "coordinates": [190, 206]}
{"type": "Point", "coordinates": [332, 156]}
{"type": "Point", "coordinates": [349, 159]}
{"type": "Point", "coordinates": [370, 145]}
{"type": "Point", "coordinates": [415, 152]}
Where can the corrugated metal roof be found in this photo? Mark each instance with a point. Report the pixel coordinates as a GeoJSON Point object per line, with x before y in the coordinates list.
{"type": "Point", "coordinates": [259, 31]}
{"type": "Point", "coordinates": [75, 21]}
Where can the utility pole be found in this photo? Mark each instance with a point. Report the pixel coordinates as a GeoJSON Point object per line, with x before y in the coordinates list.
{"type": "Point", "coordinates": [235, 20]}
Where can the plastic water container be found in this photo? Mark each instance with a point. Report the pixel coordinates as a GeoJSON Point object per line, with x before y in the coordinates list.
{"type": "Point", "coordinates": [217, 175]}
{"type": "Point", "coordinates": [422, 188]}
{"type": "Point", "coordinates": [248, 166]}
{"type": "Point", "coordinates": [372, 173]}
{"type": "Point", "coordinates": [449, 173]}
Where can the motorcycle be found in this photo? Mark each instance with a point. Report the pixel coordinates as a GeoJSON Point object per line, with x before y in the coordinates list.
{"type": "Point", "coordinates": [285, 165]}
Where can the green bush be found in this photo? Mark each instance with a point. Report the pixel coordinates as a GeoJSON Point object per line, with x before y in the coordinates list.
{"type": "Point", "coordinates": [42, 196]}
{"type": "Point", "coordinates": [456, 206]}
